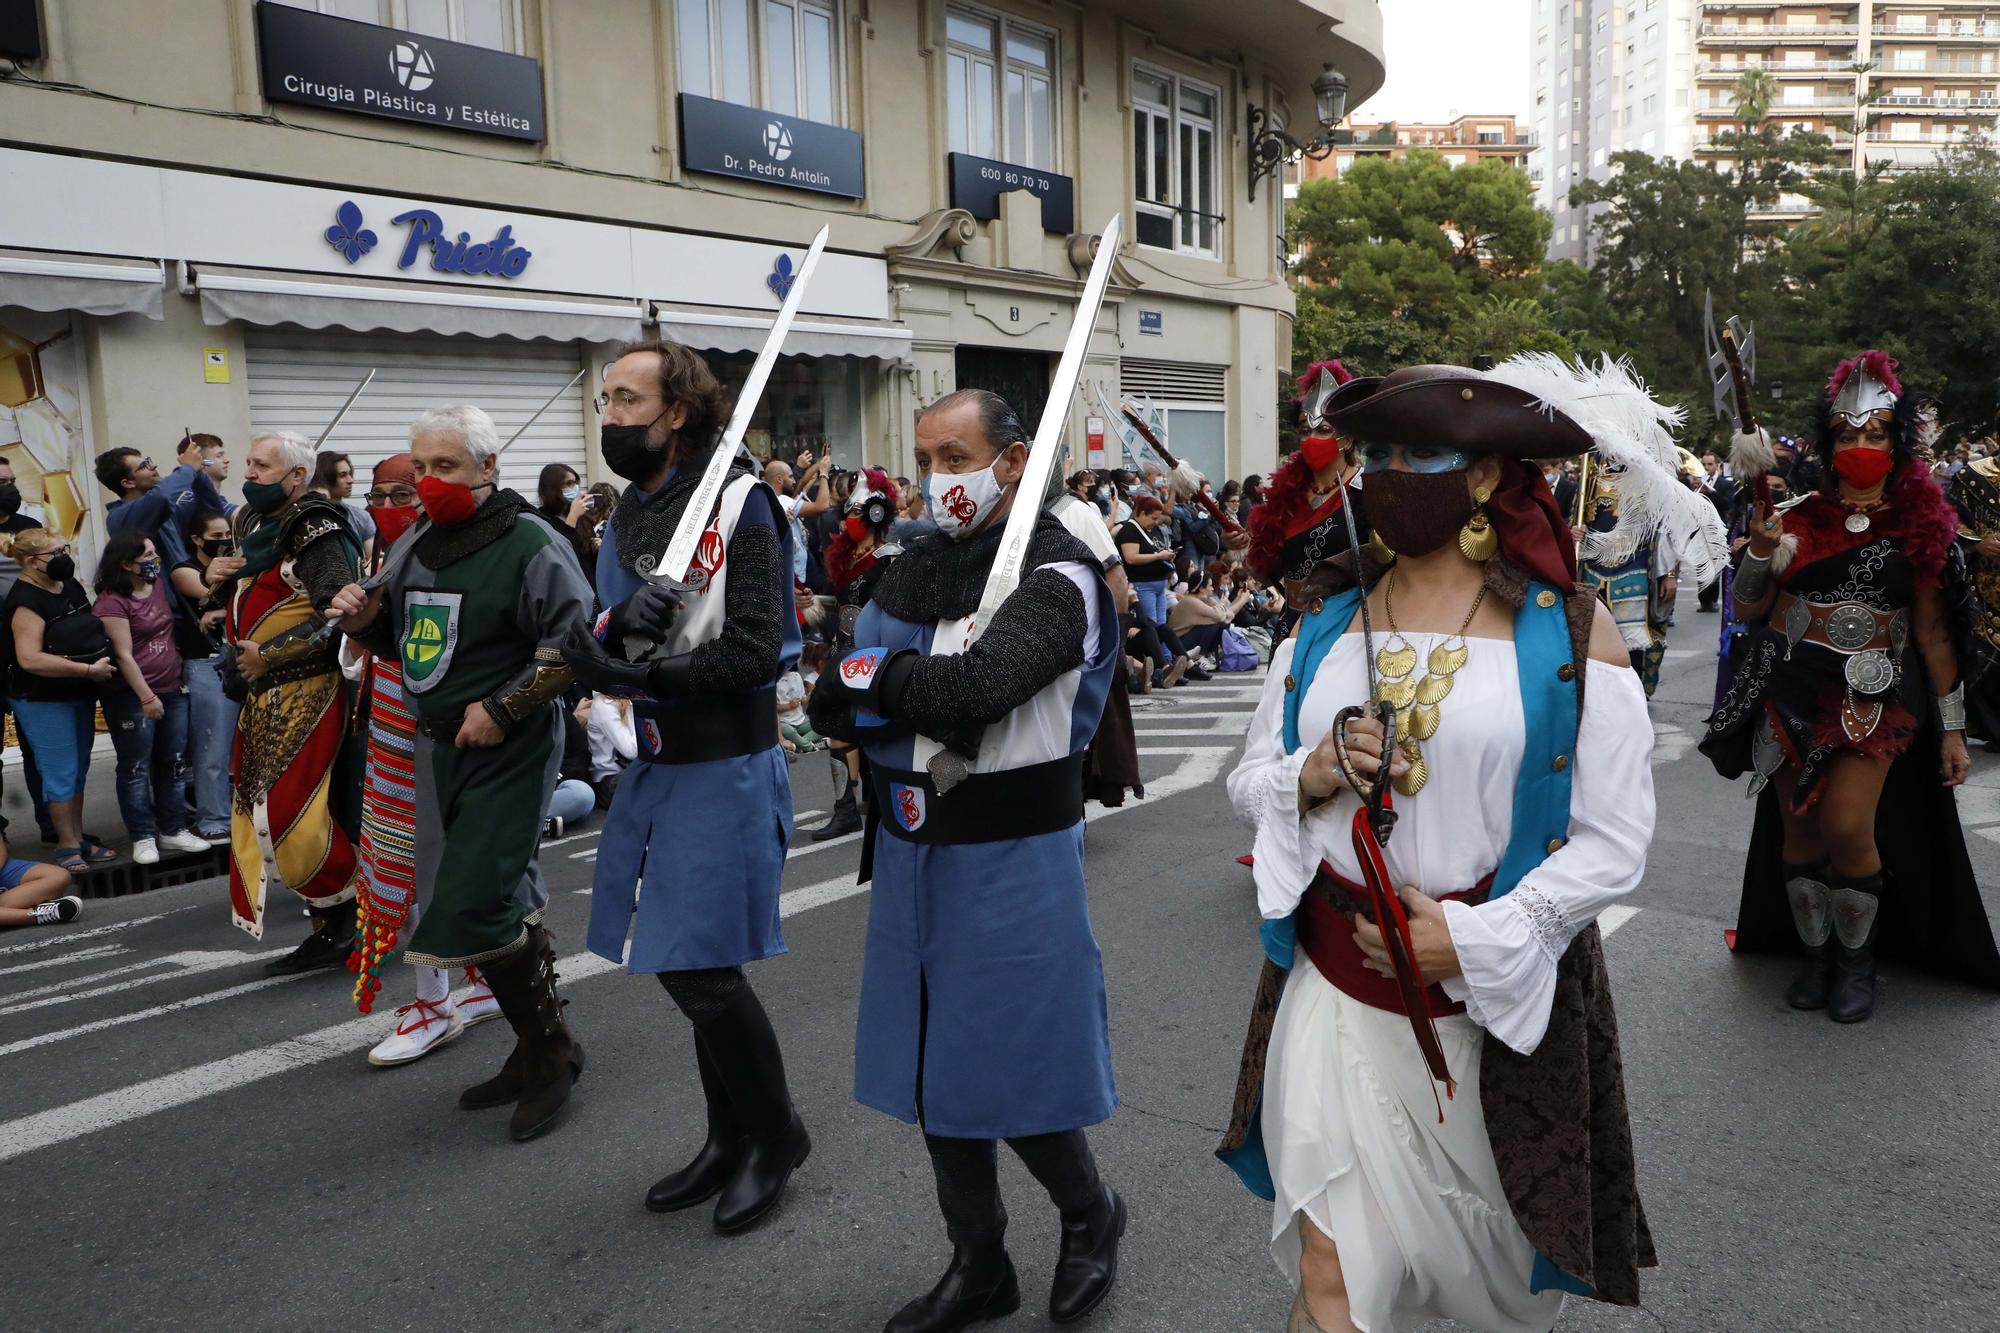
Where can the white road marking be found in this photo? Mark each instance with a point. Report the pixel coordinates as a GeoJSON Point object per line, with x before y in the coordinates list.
{"type": "Point", "coordinates": [1978, 805]}
{"type": "Point", "coordinates": [65, 960]}
{"type": "Point", "coordinates": [72, 936]}
{"type": "Point", "coordinates": [1670, 743]}
{"type": "Point", "coordinates": [1613, 917]}
{"type": "Point", "coordinates": [187, 964]}
{"type": "Point", "coordinates": [90, 1115]}
{"type": "Point", "coordinates": [1176, 714]}
{"type": "Point", "coordinates": [137, 1015]}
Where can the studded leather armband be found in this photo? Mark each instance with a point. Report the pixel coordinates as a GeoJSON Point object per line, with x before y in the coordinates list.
{"type": "Point", "coordinates": [544, 679]}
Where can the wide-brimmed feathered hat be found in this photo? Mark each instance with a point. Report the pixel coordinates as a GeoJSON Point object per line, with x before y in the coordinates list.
{"type": "Point", "coordinates": [1455, 408]}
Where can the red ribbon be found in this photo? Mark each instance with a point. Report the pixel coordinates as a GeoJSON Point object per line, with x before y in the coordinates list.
{"type": "Point", "coordinates": [1394, 924]}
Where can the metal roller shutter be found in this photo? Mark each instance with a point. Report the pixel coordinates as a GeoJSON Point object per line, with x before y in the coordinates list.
{"type": "Point", "coordinates": [298, 381]}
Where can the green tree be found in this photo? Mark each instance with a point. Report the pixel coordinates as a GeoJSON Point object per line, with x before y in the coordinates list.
{"type": "Point", "coordinates": [1752, 96]}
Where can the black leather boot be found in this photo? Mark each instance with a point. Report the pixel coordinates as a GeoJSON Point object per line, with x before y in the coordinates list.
{"type": "Point", "coordinates": [332, 940]}
{"type": "Point", "coordinates": [774, 1139]}
{"type": "Point", "coordinates": [548, 1056]}
{"type": "Point", "coordinates": [703, 1178]}
{"type": "Point", "coordinates": [846, 819]}
{"type": "Point", "coordinates": [978, 1285]}
{"type": "Point", "coordinates": [1087, 1265]}
{"type": "Point", "coordinates": [1856, 905]}
{"type": "Point", "coordinates": [1812, 917]}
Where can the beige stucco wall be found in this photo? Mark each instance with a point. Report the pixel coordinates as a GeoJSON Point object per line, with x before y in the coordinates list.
{"type": "Point", "coordinates": [179, 86]}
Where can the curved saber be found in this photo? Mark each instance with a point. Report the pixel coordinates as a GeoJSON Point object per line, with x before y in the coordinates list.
{"type": "Point", "coordinates": [522, 429]}
{"type": "Point", "coordinates": [1005, 575]}
{"type": "Point", "coordinates": [338, 416]}
{"type": "Point", "coordinates": [672, 567]}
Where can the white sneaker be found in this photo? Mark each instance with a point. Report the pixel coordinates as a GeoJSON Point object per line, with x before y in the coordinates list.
{"type": "Point", "coordinates": [184, 841]}
{"type": "Point", "coordinates": [145, 852]}
{"type": "Point", "coordinates": [477, 1003]}
{"type": "Point", "coordinates": [421, 1028]}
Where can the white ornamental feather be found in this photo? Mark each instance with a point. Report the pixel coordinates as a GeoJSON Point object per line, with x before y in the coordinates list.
{"type": "Point", "coordinates": [1633, 437]}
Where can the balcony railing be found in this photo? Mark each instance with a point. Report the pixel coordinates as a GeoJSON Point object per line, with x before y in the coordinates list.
{"type": "Point", "coordinates": [1715, 69]}
{"type": "Point", "coordinates": [1946, 67]}
{"type": "Point", "coordinates": [1931, 140]}
{"type": "Point", "coordinates": [1966, 105]}
{"type": "Point", "coordinates": [1961, 29]}
{"type": "Point", "coordinates": [1709, 110]}
{"type": "Point", "coordinates": [1778, 33]}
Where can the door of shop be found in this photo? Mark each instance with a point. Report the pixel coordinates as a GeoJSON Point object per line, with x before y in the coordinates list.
{"type": "Point", "coordinates": [1022, 378]}
{"type": "Point", "coordinates": [299, 380]}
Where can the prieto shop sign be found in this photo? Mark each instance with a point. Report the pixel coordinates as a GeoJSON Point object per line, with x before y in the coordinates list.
{"type": "Point", "coordinates": [311, 59]}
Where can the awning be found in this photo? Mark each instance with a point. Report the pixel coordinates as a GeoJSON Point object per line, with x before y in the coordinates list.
{"type": "Point", "coordinates": [746, 333]}
{"type": "Point", "coordinates": [45, 280]}
{"type": "Point", "coordinates": [257, 296]}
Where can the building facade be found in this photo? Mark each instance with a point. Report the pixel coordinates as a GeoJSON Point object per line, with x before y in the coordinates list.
{"type": "Point", "coordinates": [1891, 83]}
{"type": "Point", "coordinates": [221, 219]}
{"type": "Point", "coordinates": [1608, 76]}
{"type": "Point", "coordinates": [1461, 141]}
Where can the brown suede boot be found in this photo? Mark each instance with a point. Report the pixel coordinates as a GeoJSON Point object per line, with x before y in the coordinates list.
{"type": "Point", "coordinates": [547, 1061]}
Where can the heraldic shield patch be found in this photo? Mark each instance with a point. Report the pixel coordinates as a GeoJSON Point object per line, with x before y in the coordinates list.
{"type": "Point", "coordinates": [430, 637]}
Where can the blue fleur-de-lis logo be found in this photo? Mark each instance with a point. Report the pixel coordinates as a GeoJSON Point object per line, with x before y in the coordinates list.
{"type": "Point", "coordinates": [347, 235]}
{"type": "Point", "coordinates": [780, 281]}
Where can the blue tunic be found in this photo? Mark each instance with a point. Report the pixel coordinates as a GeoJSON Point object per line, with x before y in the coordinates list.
{"type": "Point", "coordinates": [982, 990]}
{"type": "Point", "coordinates": [702, 845]}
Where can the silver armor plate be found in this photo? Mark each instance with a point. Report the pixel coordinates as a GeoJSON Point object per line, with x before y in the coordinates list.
{"type": "Point", "coordinates": [1798, 619]}
{"type": "Point", "coordinates": [1871, 672]}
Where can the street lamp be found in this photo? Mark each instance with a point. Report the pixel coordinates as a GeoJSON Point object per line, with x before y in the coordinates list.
{"type": "Point", "coordinates": [1271, 146]}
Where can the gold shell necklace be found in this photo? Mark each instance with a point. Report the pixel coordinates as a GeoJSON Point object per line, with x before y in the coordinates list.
{"type": "Point", "coordinates": [1416, 700]}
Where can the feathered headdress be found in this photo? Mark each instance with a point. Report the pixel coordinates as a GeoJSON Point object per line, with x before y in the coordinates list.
{"type": "Point", "coordinates": [875, 497]}
{"type": "Point", "coordinates": [1864, 385]}
{"type": "Point", "coordinates": [1631, 434]}
{"type": "Point", "coordinates": [1316, 387]}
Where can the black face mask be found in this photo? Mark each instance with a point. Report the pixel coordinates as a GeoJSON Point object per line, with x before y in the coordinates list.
{"type": "Point", "coordinates": [627, 452]}
{"type": "Point", "coordinates": [10, 499]}
{"type": "Point", "coordinates": [214, 546]}
{"type": "Point", "coordinates": [61, 568]}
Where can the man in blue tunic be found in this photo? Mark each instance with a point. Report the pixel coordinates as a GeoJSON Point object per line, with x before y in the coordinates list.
{"type": "Point", "coordinates": [982, 994]}
{"type": "Point", "coordinates": [699, 826]}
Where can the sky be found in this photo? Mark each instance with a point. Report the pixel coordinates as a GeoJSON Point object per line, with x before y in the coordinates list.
{"type": "Point", "coordinates": [1452, 57]}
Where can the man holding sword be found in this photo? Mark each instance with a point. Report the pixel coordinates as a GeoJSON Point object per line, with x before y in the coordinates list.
{"type": "Point", "coordinates": [476, 611]}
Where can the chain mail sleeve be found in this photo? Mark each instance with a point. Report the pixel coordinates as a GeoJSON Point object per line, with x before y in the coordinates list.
{"type": "Point", "coordinates": [1037, 634]}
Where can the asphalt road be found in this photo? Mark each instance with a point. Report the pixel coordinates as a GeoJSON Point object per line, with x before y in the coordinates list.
{"type": "Point", "coordinates": [186, 1144]}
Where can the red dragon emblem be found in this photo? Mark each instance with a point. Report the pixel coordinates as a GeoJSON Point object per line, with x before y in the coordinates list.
{"type": "Point", "coordinates": [959, 505]}
{"type": "Point", "coordinates": [707, 559]}
{"type": "Point", "coordinates": [855, 667]}
{"type": "Point", "coordinates": [906, 805]}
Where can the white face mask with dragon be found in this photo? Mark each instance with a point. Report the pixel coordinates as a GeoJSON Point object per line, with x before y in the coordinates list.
{"type": "Point", "coordinates": [961, 502]}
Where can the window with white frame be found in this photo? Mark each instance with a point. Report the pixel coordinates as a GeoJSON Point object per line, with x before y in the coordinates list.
{"type": "Point", "coordinates": [1000, 81]}
{"type": "Point", "coordinates": [489, 23]}
{"type": "Point", "coordinates": [781, 55]}
{"type": "Point", "coordinates": [1175, 125]}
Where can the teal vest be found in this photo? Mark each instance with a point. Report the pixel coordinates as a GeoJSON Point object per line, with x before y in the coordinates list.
{"type": "Point", "coordinates": [1541, 799]}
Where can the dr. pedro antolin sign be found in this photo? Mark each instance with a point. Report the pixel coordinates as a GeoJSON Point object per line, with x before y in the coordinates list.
{"type": "Point", "coordinates": [729, 140]}
{"type": "Point", "coordinates": [316, 60]}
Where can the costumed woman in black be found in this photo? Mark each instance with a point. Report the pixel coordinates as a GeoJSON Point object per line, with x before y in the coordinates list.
{"type": "Point", "coordinates": [1849, 710]}
{"type": "Point", "coordinates": [1299, 526]}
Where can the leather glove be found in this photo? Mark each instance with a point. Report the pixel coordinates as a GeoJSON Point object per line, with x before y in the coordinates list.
{"type": "Point", "coordinates": [597, 670]}
{"type": "Point", "coordinates": [647, 614]}
{"type": "Point", "coordinates": [868, 681]}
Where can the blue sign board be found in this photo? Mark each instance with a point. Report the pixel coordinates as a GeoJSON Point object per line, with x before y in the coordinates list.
{"type": "Point", "coordinates": [1153, 323]}
{"type": "Point", "coordinates": [755, 145]}
{"type": "Point", "coordinates": [978, 182]}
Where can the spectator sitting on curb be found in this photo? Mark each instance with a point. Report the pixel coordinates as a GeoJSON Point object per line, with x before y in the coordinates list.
{"type": "Point", "coordinates": [31, 892]}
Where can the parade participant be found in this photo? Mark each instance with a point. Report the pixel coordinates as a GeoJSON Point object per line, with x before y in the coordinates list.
{"type": "Point", "coordinates": [297, 551]}
{"type": "Point", "coordinates": [1300, 523]}
{"type": "Point", "coordinates": [709, 761]}
{"type": "Point", "coordinates": [1627, 579]}
{"type": "Point", "coordinates": [389, 818]}
{"type": "Point", "coordinates": [982, 993]}
{"type": "Point", "coordinates": [855, 558]}
{"type": "Point", "coordinates": [1111, 762]}
{"type": "Point", "coordinates": [476, 615]}
{"type": "Point", "coordinates": [1975, 494]}
{"type": "Point", "coordinates": [1848, 709]}
{"type": "Point", "coordinates": [1485, 1168]}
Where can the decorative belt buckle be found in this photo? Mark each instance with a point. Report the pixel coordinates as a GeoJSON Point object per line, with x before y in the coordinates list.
{"type": "Point", "coordinates": [1850, 627]}
{"type": "Point", "coordinates": [1871, 672]}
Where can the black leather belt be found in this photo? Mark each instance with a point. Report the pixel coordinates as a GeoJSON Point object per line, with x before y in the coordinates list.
{"type": "Point", "coordinates": [697, 733]}
{"type": "Point", "coordinates": [985, 807]}
{"type": "Point", "coordinates": [443, 730]}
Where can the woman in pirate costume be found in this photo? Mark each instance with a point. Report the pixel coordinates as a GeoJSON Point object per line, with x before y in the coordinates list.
{"type": "Point", "coordinates": [982, 992]}
{"type": "Point", "coordinates": [1849, 710]}
{"type": "Point", "coordinates": [1432, 1092]}
{"type": "Point", "coordinates": [855, 559]}
{"type": "Point", "coordinates": [1302, 522]}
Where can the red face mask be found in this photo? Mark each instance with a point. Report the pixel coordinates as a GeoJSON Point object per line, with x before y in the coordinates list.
{"type": "Point", "coordinates": [392, 521]}
{"type": "Point", "coordinates": [447, 502]}
{"type": "Point", "coordinates": [1320, 450]}
{"type": "Point", "coordinates": [1862, 468]}
{"type": "Point", "coordinates": [856, 527]}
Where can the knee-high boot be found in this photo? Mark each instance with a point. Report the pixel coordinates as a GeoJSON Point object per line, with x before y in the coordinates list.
{"type": "Point", "coordinates": [774, 1142]}
{"type": "Point", "coordinates": [547, 1059]}
{"type": "Point", "coordinates": [1856, 905]}
{"type": "Point", "coordinates": [1812, 916]}
{"type": "Point", "coordinates": [713, 1166]}
{"type": "Point", "coordinates": [979, 1284]}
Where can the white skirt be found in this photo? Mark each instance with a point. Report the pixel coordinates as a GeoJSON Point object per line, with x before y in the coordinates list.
{"type": "Point", "coordinates": [1414, 1207]}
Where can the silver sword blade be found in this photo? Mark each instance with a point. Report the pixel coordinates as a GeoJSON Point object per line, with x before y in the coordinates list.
{"type": "Point", "coordinates": [337, 416]}
{"type": "Point", "coordinates": [671, 567]}
{"type": "Point", "coordinates": [522, 429]}
{"type": "Point", "coordinates": [1005, 575]}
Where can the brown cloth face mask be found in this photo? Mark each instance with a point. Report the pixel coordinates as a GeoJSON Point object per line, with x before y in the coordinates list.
{"type": "Point", "coordinates": [1416, 513]}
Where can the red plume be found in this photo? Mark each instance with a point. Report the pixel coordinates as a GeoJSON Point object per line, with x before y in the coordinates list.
{"type": "Point", "coordinates": [1880, 366]}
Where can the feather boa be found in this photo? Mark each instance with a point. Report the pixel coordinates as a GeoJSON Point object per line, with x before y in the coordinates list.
{"type": "Point", "coordinates": [1632, 435]}
{"type": "Point", "coordinates": [1918, 519]}
{"type": "Point", "coordinates": [1287, 503]}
